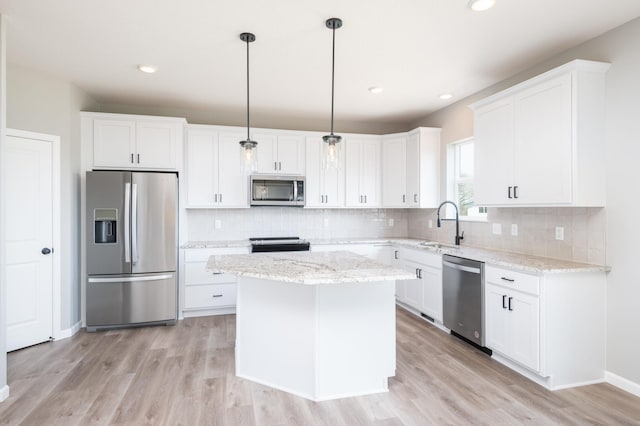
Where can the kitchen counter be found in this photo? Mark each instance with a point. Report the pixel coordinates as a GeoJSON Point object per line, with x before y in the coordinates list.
{"type": "Point", "coordinates": [308, 267]}
{"type": "Point", "coordinates": [516, 261]}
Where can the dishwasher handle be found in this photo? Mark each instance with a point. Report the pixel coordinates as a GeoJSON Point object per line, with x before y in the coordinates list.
{"type": "Point", "coordinates": [462, 267]}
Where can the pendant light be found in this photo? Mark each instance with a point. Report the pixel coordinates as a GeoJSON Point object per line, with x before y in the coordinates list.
{"type": "Point", "coordinates": [332, 146]}
{"type": "Point", "coordinates": [249, 158]}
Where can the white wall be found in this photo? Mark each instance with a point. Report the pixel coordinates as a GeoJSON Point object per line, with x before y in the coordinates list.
{"type": "Point", "coordinates": [620, 48]}
{"type": "Point", "coordinates": [3, 288]}
{"type": "Point", "coordinates": [44, 104]}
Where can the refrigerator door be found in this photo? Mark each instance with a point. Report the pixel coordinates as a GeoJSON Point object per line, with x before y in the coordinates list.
{"type": "Point", "coordinates": [154, 212]}
{"type": "Point", "coordinates": [130, 300]}
{"type": "Point", "coordinates": [107, 222]}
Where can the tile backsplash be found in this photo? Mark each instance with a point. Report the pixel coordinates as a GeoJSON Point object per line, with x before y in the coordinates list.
{"type": "Point", "coordinates": [584, 228]}
{"type": "Point", "coordinates": [584, 231]}
{"type": "Point", "coordinates": [236, 224]}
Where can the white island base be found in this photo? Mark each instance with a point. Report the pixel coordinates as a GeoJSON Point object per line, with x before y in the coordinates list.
{"type": "Point", "coordinates": [321, 342]}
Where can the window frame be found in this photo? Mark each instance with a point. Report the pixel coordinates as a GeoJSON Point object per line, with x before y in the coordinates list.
{"type": "Point", "coordinates": [454, 179]}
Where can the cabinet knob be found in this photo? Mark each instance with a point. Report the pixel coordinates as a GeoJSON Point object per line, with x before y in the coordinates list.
{"type": "Point", "coordinates": [46, 250]}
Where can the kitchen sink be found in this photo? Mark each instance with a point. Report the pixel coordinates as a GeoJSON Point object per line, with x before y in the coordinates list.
{"type": "Point", "coordinates": [437, 246]}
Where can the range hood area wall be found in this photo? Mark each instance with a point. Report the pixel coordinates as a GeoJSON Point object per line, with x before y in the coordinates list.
{"type": "Point", "coordinates": [310, 224]}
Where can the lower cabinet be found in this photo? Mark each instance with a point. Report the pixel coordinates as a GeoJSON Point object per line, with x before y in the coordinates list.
{"type": "Point", "coordinates": [424, 293]}
{"type": "Point", "coordinates": [206, 293]}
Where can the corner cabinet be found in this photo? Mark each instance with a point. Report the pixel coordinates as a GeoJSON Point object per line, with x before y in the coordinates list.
{"type": "Point", "coordinates": [119, 141]}
{"type": "Point", "coordinates": [324, 188]}
{"type": "Point", "coordinates": [543, 325]}
{"type": "Point", "coordinates": [213, 168]}
{"type": "Point", "coordinates": [362, 163]}
{"type": "Point", "coordinates": [541, 142]}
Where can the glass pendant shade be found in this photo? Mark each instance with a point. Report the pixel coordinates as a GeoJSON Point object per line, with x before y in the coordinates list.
{"type": "Point", "coordinates": [249, 156]}
{"type": "Point", "coordinates": [332, 151]}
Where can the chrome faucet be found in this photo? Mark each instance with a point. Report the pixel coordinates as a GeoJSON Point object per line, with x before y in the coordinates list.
{"type": "Point", "coordinates": [458, 236]}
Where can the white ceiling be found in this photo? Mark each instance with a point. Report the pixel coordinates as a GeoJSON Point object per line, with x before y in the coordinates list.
{"type": "Point", "coordinates": [415, 49]}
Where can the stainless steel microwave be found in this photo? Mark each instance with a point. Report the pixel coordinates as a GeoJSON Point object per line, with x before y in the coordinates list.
{"type": "Point", "coordinates": [277, 190]}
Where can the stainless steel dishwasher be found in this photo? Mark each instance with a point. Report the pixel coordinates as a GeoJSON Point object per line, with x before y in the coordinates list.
{"type": "Point", "coordinates": [463, 297]}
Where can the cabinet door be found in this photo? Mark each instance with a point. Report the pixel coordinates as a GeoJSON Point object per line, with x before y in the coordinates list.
{"type": "Point", "coordinates": [291, 155]}
{"type": "Point", "coordinates": [202, 168]}
{"type": "Point", "coordinates": [493, 129]}
{"type": "Point", "coordinates": [431, 292]}
{"type": "Point", "coordinates": [314, 179]}
{"type": "Point", "coordinates": [543, 143]}
{"type": "Point", "coordinates": [412, 170]}
{"type": "Point", "coordinates": [495, 318]}
{"type": "Point", "coordinates": [233, 184]}
{"type": "Point", "coordinates": [524, 329]}
{"type": "Point", "coordinates": [413, 288]}
{"type": "Point", "coordinates": [113, 143]}
{"type": "Point", "coordinates": [267, 152]}
{"type": "Point", "coordinates": [394, 172]}
{"type": "Point", "coordinates": [370, 173]}
{"type": "Point", "coordinates": [157, 145]}
{"type": "Point", "coordinates": [353, 159]}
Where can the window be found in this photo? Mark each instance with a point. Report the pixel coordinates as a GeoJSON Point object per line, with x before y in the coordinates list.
{"type": "Point", "coordinates": [460, 180]}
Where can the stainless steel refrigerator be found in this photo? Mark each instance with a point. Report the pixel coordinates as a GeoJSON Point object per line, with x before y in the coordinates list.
{"type": "Point", "coordinates": [132, 249]}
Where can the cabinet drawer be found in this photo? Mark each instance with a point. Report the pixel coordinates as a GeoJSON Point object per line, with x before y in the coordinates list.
{"type": "Point", "coordinates": [202, 255]}
{"type": "Point", "coordinates": [209, 296]}
{"type": "Point", "coordinates": [513, 280]}
{"type": "Point", "coordinates": [421, 256]}
{"type": "Point", "coordinates": [196, 273]}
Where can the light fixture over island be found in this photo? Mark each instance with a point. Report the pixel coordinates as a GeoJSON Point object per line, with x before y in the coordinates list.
{"type": "Point", "coordinates": [320, 325]}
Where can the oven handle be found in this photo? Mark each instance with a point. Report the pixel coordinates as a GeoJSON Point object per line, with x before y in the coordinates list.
{"type": "Point", "coordinates": [461, 267]}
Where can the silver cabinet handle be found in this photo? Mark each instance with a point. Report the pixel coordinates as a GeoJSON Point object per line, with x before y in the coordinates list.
{"type": "Point", "coordinates": [395, 254]}
{"type": "Point", "coordinates": [127, 221]}
{"type": "Point", "coordinates": [132, 158]}
{"type": "Point", "coordinates": [275, 165]}
{"type": "Point", "coordinates": [138, 158]}
{"type": "Point", "coordinates": [279, 165]}
{"type": "Point", "coordinates": [326, 198]}
{"type": "Point", "coordinates": [217, 295]}
{"type": "Point", "coordinates": [220, 197]}
{"type": "Point", "coordinates": [365, 199]}
{"type": "Point", "coordinates": [415, 198]}
{"type": "Point", "coordinates": [507, 279]}
{"type": "Point", "coordinates": [404, 198]}
{"type": "Point", "coordinates": [215, 198]}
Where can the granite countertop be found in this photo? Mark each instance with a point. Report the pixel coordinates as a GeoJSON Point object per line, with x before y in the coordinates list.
{"type": "Point", "coordinates": [310, 268]}
{"type": "Point", "coordinates": [522, 262]}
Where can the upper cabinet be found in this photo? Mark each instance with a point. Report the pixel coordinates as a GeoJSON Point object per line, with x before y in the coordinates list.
{"type": "Point", "coordinates": [280, 153]}
{"type": "Point", "coordinates": [411, 169]}
{"type": "Point", "coordinates": [213, 168]}
{"type": "Point", "coordinates": [362, 171]}
{"type": "Point", "coordinates": [133, 142]}
{"type": "Point", "coordinates": [324, 187]}
{"type": "Point", "coordinates": [541, 142]}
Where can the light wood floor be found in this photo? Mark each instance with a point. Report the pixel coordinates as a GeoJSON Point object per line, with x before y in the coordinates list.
{"type": "Point", "coordinates": [184, 375]}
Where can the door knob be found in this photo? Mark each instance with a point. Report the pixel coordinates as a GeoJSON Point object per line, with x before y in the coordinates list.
{"type": "Point", "coordinates": [46, 250]}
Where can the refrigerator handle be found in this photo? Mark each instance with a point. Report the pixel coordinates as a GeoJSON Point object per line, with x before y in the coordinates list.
{"type": "Point", "coordinates": [127, 222]}
{"type": "Point", "coordinates": [134, 223]}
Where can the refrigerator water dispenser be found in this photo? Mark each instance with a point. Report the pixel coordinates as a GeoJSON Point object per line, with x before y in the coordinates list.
{"type": "Point", "coordinates": [105, 226]}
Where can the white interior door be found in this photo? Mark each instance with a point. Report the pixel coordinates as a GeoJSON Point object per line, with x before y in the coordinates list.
{"type": "Point", "coordinates": [29, 234]}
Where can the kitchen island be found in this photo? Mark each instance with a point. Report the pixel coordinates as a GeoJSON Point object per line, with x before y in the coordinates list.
{"type": "Point", "coordinates": [320, 325]}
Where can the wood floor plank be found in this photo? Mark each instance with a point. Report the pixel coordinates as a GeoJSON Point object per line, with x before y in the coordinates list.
{"type": "Point", "coordinates": [185, 375]}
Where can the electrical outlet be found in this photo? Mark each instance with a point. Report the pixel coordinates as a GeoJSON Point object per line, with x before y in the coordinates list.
{"type": "Point", "coordinates": [217, 224]}
{"type": "Point", "coordinates": [559, 233]}
{"type": "Point", "coordinates": [430, 223]}
{"type": "Point", "coordinates": [325, 222]}
{"type": "Point", "coordinates": [497, 228]}
{"type": "Point", "coordinates": [514, 229]}
{"type": "Point", "coordinates": [391, 222]}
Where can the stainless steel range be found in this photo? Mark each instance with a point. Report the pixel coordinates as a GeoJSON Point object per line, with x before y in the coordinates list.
{"type": "Point", "coordinates": [273, 244]}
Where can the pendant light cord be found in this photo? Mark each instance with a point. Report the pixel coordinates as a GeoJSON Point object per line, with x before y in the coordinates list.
{"type": "Point", "coordinates": [333, 71]}
{"type": "Point", "coordinates": [248, 91]}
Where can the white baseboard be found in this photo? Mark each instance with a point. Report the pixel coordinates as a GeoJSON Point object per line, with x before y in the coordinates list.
{"type": "Point", "coordinates": [68, 332]}
{"type": "Point", "coordinates": [207, 312]}
{"type": "Point", "coordinates": [622, 383]}
{"type": "Point", "coordinates": [4, 393]}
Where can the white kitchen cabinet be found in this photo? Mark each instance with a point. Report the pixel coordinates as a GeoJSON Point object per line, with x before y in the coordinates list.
{"type": "Point", "coordinates": [324, 187]}
{"type": "Point", "coordinates": [214, 174]}
{"type": "Point", "coordinates": [135, 142]}
{"type": "Point", "coordinates": [543, 325]}
{"type": "Point", "coordinates": [512, 321]}
{"type": "Point", "coordinates": [411, 169]}
{"type": "Point", "coordinates": [362, 171]}
{"type": "Point", "coordinates": [394, 171]}
{"type": "Point", "coordinates": [541, 142]}
{"type": "Point", "coordinates": [280, 153]}
{"type": "Point", "coordinates": [206, 293]}
{"type": "Point", "coordinates": [424, 293]}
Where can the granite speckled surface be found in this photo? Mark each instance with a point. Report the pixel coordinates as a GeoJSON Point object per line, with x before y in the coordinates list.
{"type": "Point", "coordinates": [310, 268]}
{"type": "Point", "coordinates": [521, 262]}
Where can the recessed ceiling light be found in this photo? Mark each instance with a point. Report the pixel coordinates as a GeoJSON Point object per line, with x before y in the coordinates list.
{"type": "Point", "coordinates": [446, 96]}
{"type": "Point", "coordinates": [149, 69]}
{"type": "Point", "coordinates": [481, 5]}
{"type": "Point", "coordinates": [376, 89]}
